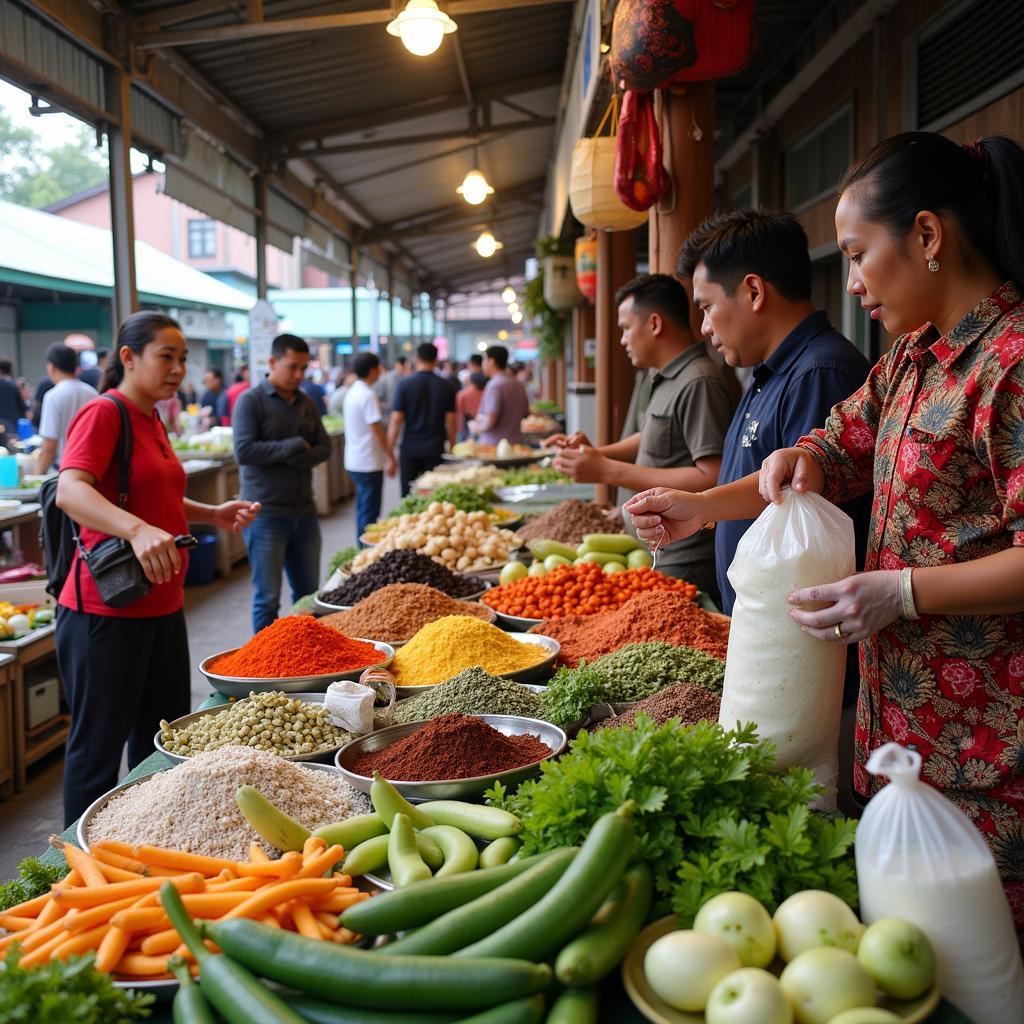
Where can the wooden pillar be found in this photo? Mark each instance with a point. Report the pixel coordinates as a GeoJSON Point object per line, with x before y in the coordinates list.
{"type": "Point", "coordinates": [583, 327]}
{"type": "Point", "coordinates": [687, 125]}
{"type": "Point", "coordinates": [614, 374]}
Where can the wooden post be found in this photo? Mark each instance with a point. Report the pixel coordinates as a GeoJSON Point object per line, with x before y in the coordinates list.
{"type": "Point", "coordinates": [613, 377]}
{"type": "Point", "coordinates": [583, 327]}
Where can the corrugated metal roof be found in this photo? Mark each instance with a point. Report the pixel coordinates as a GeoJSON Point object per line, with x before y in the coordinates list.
{"type": "Point", "coordinates": [55, 251]}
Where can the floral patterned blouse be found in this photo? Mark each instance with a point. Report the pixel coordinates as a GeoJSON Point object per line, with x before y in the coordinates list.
{"type": "Point", "coordinates": [938, 431]}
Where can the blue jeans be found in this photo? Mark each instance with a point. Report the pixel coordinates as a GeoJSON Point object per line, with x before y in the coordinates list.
{"type": "Point", "coordinates": [276, 543]}
{"type": "Point", "coordinates": [369, 488]}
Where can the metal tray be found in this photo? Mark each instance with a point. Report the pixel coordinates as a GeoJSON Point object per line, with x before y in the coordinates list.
{"type": "Point", "coordinates": [325, 756]}
{"type": "Point", "coordinates": [533, 674]}
{"type": "Point", "coordinates": [454, 789]}
{"type": "Point", "coordinates": [396, 644]}
{"type": "Point", "coordinates": [325, 607]}
{"type": "Point", "coordinates": [238, 687]}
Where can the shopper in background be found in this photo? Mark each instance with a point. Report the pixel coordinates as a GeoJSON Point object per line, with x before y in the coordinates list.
{"type": "Point", "coordinates": [312, 387]}
{"type": "Point", "coordinates": [467, 403]}
{"type": "Point", "coordinates": [36, 406]}
{"type": "Point", "coordinates": [387, 384]}
{"type": "Point", "coordinates": [125, 669]}
{"type": "Point", "coordinates": [474, 364]}
{"type": "Point", "coordinates": [229, 399]}
{"type": "Point", "coordinates": [12, 405]}
{"type": "Point", "coordinates": [368, 455]}
{"type": "Point", "coordinates": [213, 388]}
{"type": "Point", "coordinates": [60, 404]}
{"type": "Point", "coordinates": [279, 437]}
{"type": "Point", "coordinates": [504, 405]}
{"type": "Point", "coordinates": [336, 403]}
{"type": "Point", "coordinates": [424, 414]}
{"type": "Point", "coordinates": [94, 373]}
{"type": "Point", "coordinates": [932, 234]}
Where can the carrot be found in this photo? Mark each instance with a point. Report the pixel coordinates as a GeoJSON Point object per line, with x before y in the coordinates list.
{"type": "Point", "coordinates": [30, 941]}
{"type": "Point", "coordinates": [271, 895]}
{"type": "Point", "coordinates": [44, 951]}
{"type": "Point", "coordinates": [343, 936]}
{"type": "Point", "coordinates": [160, 943]}
{"type": "Point", "coordinates": [85, 865]}
{"type": "Point", "coordinates": [331, 920]}
{"type": "Point", "coordinates": [112, 947]}
{"type": "Point", "coordinates": [337, 902]}
{"type": "Point", "coordinates": [140, 966]}
{"type": "Point", "coordinates": [15, 924]}
{"type": "Point", "coordinates": [140, 919]}
{"type": "Point", "coordinates": [270, 921]}
{"type": "Point", "coordinates": [290, 864]}
{"type": "Point", "coordinates": [246, 884]}
{"type": "Point", "coordinates": [313, 846]}
{"type": "Point", "coordinates": [114, 874]}
{"type": "Point", "coordinates": [30, 908]}
{"type": "Point", "coordinates": [86, 897]}
{"type": "Point", "coordinates": [207, 905]}
{"type": "Point", "coordinates": [82, 920]}
{"type": "Point", "coordinates": [103, 853]}
{"type": "Point", "coordinates": [319, 864]}
{"type": "Point", "coordinates": [342, 879]}
{"type": "Point", "coordinates": [256, 854]}
{"type": "Point", "coordinates": [50, 913]}
{"type": "Point", "coordinates": [81, 942]}
{"type": "Point", "coordinates": [178, 859]}
{"type": "Point", "coordinates": [305, 923]}
{"type": "Point", "coordinates": [124, 849]}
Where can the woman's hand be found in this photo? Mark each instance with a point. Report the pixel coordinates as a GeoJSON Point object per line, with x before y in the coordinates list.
{"type": "Point", "coordinates": [862, 605]}
{"type": "Point", "coordinates": [793, 466]}
{"type": "Point", "coordinates": [662, 515]}
{"type": "Point", "coordinates": [155, 550]}
{"type": "Point", "coordinates": [235, 515]}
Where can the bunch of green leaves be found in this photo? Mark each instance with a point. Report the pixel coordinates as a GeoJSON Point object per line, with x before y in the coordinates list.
{"type": "Point", "coordinates": [518, 475]}
{"type": "Point", "coordinates": [572, 692]}
{"type": "Point", "coordinates": [66, 993]}
{"type": "Point", "coordinates": [546, 405]}
{"type": "Point", "coordinates": [342, 557]}
{"type": "Point", "coordinates": [711, 814]}
{"type": "Point", "coordinates": [305, 605]}
{"type": "Point", "coordinates": [34, 878]}
{"type": "Point", "coordinates": [464, 498]}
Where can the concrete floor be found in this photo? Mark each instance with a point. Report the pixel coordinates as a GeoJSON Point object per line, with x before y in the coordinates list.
{"type": "Point", "coordinates": [218, 617]}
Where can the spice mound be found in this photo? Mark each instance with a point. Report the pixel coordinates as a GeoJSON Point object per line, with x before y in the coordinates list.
{"type": "Point", "coordinates": [297, 645]}
{"type": "Point", "coordinates": [568, 522]}
{"type": "Point", "coordinates": [472, 692]}
{"type": "Point", "coordinates": [686, 701]}
{"type": "Point", "coordinates": [448, 645]}
{"type": "Point", "coordinates": [402, 567]}
{"type": "Point", "coordinates": [192, 806]}
{"type": "Point", "coordinates": [271, 721]}
{"type": "Point", "coordinates": [397, 611]}
{"type": "Point", "coordinates": [653, 615]}
{"type": "Point", "coordinates": [452, 747]}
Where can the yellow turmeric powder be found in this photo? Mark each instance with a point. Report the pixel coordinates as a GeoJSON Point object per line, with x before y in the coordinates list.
{"type": "Point", "coordinates": [446, 646]}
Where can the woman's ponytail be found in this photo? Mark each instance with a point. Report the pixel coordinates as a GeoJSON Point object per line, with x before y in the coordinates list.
{"type": "Point", "coordinates": [136, 331]}
{"type": "Point", "coordinates": [1003, 170]}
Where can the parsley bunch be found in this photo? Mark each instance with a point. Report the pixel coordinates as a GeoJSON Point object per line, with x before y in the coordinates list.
{"type": "Point", "coordinates": [711, 814]}
{"type": "Point", "coordinates": [342, 557]}
{"type": "Point", "coordinates": [34, 878]}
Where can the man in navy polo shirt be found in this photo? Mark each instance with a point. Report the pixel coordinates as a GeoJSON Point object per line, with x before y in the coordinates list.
{"type": "Point", "coordinates": [751, 275]}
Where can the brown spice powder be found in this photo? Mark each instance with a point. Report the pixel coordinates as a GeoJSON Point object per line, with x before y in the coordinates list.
{"type": "Point", "coordinates": [568, 522]}
{"type": "Point", "coordinates": [686, 701]}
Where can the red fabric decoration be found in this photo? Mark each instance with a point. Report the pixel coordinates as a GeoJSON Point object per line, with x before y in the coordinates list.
{"type": "Point", "coordinates": [640, 178]}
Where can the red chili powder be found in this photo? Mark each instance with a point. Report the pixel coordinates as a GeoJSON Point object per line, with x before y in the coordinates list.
{"type": "Point", "coordinates": [297, 645]}
{"type": "Point", "coordinates": [650, 615]}
{"type": "Point", "coordinates": [451, 747]}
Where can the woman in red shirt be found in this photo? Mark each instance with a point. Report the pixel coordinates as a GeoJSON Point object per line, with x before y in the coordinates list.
{"type": "Point", "coordinates": [123, 669]}
{"type": "Point", "coordinates": [933, 232]}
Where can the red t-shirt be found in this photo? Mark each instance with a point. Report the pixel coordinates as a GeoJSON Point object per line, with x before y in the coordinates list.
{"type": "Point", "coordinates": [156, 494]}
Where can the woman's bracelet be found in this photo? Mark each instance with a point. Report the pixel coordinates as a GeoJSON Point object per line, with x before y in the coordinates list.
{"type": "Point", "coordinates": [907, 594]}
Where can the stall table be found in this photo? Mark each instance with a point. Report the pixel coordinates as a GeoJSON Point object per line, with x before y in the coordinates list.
{"type": "Point", "coordinates": [6, 725]}
{"type": "Point", "coordinates": [24, 523]}
{"type": "Point", "coordinates": [331, 483]}
{"type": "Point", "coordinates": [212, 480]}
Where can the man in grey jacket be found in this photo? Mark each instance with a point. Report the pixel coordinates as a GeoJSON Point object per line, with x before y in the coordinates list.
{"type": "Point", "coordinates": [279, 438]}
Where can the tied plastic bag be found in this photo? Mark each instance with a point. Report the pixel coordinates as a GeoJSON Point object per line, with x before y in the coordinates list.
{"type": "Point", "coordinates": [920, 858]}
{"type": "Point", "coordinates": [788, 683]}
{"type": "Point", "coordinates": [350, 706]}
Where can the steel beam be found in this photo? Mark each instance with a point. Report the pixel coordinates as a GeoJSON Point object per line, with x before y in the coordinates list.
{"type": "Point", "coordinates": [260, 197]}
{"type": "Point", "coordinates": [122, 218]}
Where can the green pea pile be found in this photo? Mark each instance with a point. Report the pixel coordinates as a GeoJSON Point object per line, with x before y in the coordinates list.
{"type": "Point", "coordinates": [270, 721]}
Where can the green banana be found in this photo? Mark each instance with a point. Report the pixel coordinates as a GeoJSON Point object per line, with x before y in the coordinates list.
{"type": "Point", "coordinates": [271, 823]}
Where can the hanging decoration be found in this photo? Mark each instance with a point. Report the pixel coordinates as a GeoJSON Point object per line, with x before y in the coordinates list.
{"type": "Point", "coordinates": [421, 27]}
{"type": "Point", "coordinates": [640, 176]}
{"type": "Point", "coordinates": [586, 266]}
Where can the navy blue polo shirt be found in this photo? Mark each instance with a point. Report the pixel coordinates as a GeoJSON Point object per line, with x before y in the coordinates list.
{"type": "Point", "coordinates": [790, 393]}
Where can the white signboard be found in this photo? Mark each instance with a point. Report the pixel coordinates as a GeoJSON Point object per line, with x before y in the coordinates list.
{"type": "Point", "coordinates": [262, 331]}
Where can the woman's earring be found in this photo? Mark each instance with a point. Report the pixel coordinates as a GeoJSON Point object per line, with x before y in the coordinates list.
{"type": "Point", "coordinates": [933, 265]}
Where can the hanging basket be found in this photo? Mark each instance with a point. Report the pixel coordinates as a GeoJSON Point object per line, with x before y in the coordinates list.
{"type": "Point", "coordinates": [592, 196]}
{"type": "Point", "coordinates": [586, 267]}
{"type": "Point", "coordinates": [560, 291]}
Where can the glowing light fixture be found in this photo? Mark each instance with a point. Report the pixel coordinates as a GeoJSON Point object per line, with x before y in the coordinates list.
{"type": "Point", "coordinates": [487, 245]}
{"type": "Point", "coordinates": [503, 335]}
{"type": "Point", "coordinates": [517, 317]}
{"type": "Point", "coordinates": [513, 307]}
{"type": "Point", "coordinates": [481, 346]}
{"type": "Point", "coordinates": [474, 188]}
{"type": "Point", "coordinates": [508, 295]}
{"type": "Point", "coordinates": [421, 27]}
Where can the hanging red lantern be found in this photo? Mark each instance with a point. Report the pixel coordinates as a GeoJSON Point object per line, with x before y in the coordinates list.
{"type": "Point", "coordinates": [586, 266]}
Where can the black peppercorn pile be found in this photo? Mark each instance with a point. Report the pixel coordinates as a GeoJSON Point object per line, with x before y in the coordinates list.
{"type": "Point", "coordinates": [402, 567]}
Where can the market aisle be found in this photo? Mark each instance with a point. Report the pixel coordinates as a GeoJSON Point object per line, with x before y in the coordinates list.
{"type": "Point", "coordinates": [218, 617]}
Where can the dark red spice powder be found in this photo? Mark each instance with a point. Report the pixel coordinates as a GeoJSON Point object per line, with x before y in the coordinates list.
{"type": "Point", "coordinates": [451, 747]}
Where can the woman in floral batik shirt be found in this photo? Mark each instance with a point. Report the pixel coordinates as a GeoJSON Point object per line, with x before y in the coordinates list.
{"type": "Point", "coordinates": [934, 233]}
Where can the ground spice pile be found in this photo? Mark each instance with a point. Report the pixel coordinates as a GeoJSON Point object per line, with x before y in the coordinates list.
{"type": "Point", "coordinates": [651, 615]}
{"type": "Point", "coordinates": [399, 610]}
{"type": "Point", "coordinates": [686, 701]}
{"type": "Point", "coordinates": [472, 692]}
{"type": "Point", "coordinates": [402, 567]}
{"type": "Point", "coordinates": [297, 645]}
{"type": "Point", "coordinates": [452, 747]}
{"type": "Point", "coordinates": [446, 646]}
{"type": "Point", "coordinates": [568, 522]}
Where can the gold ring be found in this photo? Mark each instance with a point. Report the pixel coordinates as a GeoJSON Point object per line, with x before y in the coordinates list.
{"type": "Point", "coordinates": [839, 633]}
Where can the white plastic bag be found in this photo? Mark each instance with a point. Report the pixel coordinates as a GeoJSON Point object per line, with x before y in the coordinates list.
{"type": "Point", "coordinates": [788, 683]}
{"type": "Point", "coordinates": [350, 706]}
{"type": "Point", "coordinates": [920, 858]}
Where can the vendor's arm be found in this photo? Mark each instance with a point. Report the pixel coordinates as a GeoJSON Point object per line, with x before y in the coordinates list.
{"type": "Point", "coordinates": [250, 449]}
{"type": "Point", "coordinates": [229, 515]}
{"type": "Point", "coordinates": [591, 465]}
{"type": "Point", "coordinates": [577, 452]}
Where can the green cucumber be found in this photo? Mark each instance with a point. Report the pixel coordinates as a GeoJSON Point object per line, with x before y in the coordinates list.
{"type": "Point", "coordinates": [567, 908]}
{"type": "Point", "coordinates": [460, 852]}
{"type": "Point", "coordinates": [521, 1011]}
{"type": "Point", "coordinates": [371, 856]}
{"type": "Point", "coordinates": [476, 920]}
{"type": "Point", "coordinates": [598, 950]}
{"type": "Point", "coordinates": [363, 978]}
{"type": "Point", "coordinates": [422, 902]}
{"type": "Point", "coordinates": [603, 558]}
{"type": "Point", "coordinates": [543, 548]}
{"type": "Point", "coordinates": [475, 819]}
{"type": "Point", "coordinates": [319, 1012]}
{"type": "Point", "coordinates": [352, 831]}
{"type": "Point", "coordinates": [388, 802]}
{"type": "Point", "coordinates": [404, 861]}
{"type": "Point", "coordinates": [613, 543]}
{"type": "Point", "coordinates": [573, 1006]}
{"type": "Point", "coordinates": [501, 851]}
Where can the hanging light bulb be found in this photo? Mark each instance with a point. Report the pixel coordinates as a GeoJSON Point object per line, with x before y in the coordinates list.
{"type": "Point", "coordinates": [421, 27]}
{"type": "Point", "coordinates": [508, 296]}
{"type": "Point", "coordinates": [487, 245]}
{"type": "Point", "coordinates": [474, 188]}
{"type": "Point", "coordinates": [503, 335]}
{"type": "Point", "coordinates": [513, 307]}
{"type": "Point", "coordinates": [517, 317]}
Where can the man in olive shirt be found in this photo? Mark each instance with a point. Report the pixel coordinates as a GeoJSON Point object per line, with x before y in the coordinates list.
{"type": "Point", "coordinates": [681, 437]}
